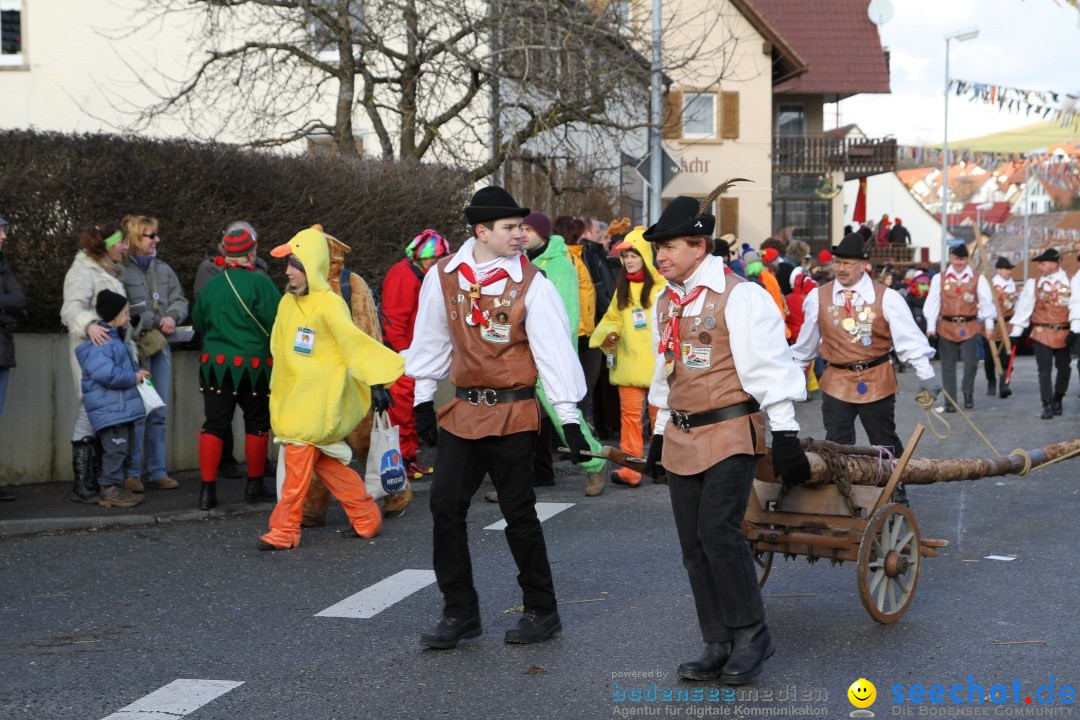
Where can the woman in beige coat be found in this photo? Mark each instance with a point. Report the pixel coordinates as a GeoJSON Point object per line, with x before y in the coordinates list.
{"type": "Point", "coordinates": [96, 268]}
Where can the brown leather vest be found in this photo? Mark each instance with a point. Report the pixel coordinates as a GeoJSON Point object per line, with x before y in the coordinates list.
{"type": "Point", "coordinates": [1007, 303]}
{"type": "Point", "coordinates": [955, 303]}
{"type": "Point", "coordinates": [1051, 308]}
{"type": "Point", "coordinates": [866, 337]}
{"type": "Point", "coordinates": [703, 378]}
{"type": "Point", "coordinates": [498, 358]}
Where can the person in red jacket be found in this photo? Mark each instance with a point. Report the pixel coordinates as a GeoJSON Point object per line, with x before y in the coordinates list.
{"type": "Point", "coordinates": [400, 302]}
{"type": "Point", "coordinates": [800, 288]}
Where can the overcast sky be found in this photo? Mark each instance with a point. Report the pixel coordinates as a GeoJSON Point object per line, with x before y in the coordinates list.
{"type": "Point", "coordinates": [1032, 44]}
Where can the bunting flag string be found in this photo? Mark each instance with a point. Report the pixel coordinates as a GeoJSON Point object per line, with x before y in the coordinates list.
{"type": "Point", "coordinates": [927, 156]}
{"type": "Point", "coordinates": [1058, 107]}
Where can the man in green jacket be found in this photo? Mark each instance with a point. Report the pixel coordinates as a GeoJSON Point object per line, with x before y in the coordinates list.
{"type": "Point", "coordinates": [549, 253]}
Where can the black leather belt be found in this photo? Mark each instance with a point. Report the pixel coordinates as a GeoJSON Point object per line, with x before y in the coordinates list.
{"type": "Point", "coordinates": [860, 366]}
{"type": "Point", "coordinates": [1050, 326]}
{"type": "Point", "coordinates": [683, 421]}
{"type": "Point", "coordinates": [491, 398]}
{"type": "Point", "coordinates": [958, 319]}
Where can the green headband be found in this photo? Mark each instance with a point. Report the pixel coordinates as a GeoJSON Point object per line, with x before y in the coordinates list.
{"type": "Point", "coordinates": [113, 239]}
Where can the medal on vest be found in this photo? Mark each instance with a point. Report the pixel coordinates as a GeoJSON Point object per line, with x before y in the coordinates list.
{"type": "Point", "coordinates": [669, 363]}
{"type": "Point", "coordinates": [305, 341]}
{"type": "Point", "coordinates": [696, 357]}
{"type": "Point", "coordinates": [969, 297]}
{"type": "Point", "coordinates": [861, 388]}
{"type": "Point", "coordinates": [710, 323]}
{"type": "Point", "coordinates": [498, 333]}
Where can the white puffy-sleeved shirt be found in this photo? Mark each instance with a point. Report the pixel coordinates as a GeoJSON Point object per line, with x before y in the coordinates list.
{"type": "Point", "coordinates": [987, 312]}
{"type": "Point", "coordinates": [909, 341]}
{"type": "Point", "coordinates": [758, 347]}
{"type": "Point", "coordinates": [427, 360]}
{"type": "Point", "coordinates": [1025, 304]}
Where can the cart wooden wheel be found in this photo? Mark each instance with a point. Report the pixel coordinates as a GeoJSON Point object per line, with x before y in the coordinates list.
{"type": "Point", "coordinates": [763, 564]}
{"type": "Point", "coordinates": [887, 570]}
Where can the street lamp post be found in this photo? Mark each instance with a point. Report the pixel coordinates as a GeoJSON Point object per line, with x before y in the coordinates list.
{"type": "Point", "coordinates": [656, 174]}
{"type": "Point", "coordinates": [961, 35]}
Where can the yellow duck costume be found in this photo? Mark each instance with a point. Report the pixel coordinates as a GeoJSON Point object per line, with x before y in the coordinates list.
{"type": "Point", "coordinates": [319, 392]}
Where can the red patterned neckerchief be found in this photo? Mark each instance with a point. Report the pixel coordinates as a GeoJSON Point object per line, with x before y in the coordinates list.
{"type": "Point", "coordinates": [476, 316]}
{"type": "Point", "coordinates": [669, 340]}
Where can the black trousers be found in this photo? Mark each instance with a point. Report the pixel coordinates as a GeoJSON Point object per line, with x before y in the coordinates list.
{"type": "Point", "coordinates": [590, 359]}
{"type": "Point", "coordinates": [878, 420]}
{"type": "Point", "coordinates": [1045, 358]}
{"type": "Point", "coordinates": [460, 466]}
{"type": "Point", "coordinates": [543, 464]}
{"type": "Point", "coordinates": [219, 406]}
{"type": "Point", "coordinates": [709, 509]}
{"type": "Point", "coordinates": [950, 352]}
{"type": "Point", "coordinates": [988, 360]}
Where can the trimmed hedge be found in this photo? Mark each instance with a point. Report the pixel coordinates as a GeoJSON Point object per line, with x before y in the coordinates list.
{"type": "Point", "coordinates": [53, 185]}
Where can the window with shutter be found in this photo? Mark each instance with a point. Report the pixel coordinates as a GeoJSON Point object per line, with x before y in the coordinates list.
{"type": "Point", "coordinates": [729, 216]}
{"type": "Point", "coordinates": [729, 115]}
{"type": "Point", "coordinates": [11, 50]}
{"type": "Point", "coordinates": [672, 115]}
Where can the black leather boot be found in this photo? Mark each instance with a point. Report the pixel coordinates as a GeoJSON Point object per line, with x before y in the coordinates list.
{"type": "Point", "coordinates": [85, 487]}
{"type": "Point", "coordinates": [969, 400]}
{"type": "Point", "coordinates": [208, 495]}
{"type": "Point", "coordinates": [1048, 412]}
{"type": "Point", "coordinates": [534, 628]}
{"type": "Point", "coordinates": [1003, 389]}
{"type": "Point", "coordinates": [750, 648]}
{"type": "Point", "coordinates": [1055, 406]}
{"type": "Point", "coordinates": [991, 388]}
{"type": "Point", "coordinates": [709, 665]}
{"type": "Point", "coordinates": [257, 489]}
{"type": "Point", "coordinates": [450, 631]}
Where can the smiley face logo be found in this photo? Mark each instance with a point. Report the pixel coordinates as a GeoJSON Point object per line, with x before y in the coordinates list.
{"type": "Point", "coordinates": [862, 693]}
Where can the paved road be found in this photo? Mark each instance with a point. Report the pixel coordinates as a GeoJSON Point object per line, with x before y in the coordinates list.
{"type": "Point", "coordinates": [92, 622]}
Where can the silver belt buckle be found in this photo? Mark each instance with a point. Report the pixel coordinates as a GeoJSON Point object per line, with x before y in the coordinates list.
{"type": "Point", "coordinates": [681, 420]}
{"type": "Point", "coordinates": [485, 395]}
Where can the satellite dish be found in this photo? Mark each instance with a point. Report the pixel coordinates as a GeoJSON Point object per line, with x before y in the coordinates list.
{"type": "Point", "coordinates": [880, 11]}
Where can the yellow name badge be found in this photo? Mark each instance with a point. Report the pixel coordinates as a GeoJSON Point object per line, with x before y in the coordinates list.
{"type": "Point", "coordinates": [305, 341]}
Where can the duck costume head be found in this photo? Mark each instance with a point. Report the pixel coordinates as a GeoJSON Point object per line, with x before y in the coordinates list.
{"type": "Point", "coordinates": [324, 366]}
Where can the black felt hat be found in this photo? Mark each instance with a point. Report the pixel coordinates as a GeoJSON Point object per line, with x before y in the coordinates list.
{"type": "Point", "coordinates": [492, 203]}
{"type": "Point", "coordinates": [681, 219]}
{"type": "Point", "coordinates": [1048, 255]}
{"type": "Point", "coordinates": [959, 250]}
{"type": "Point", "coordinates": [852, 247]}
{"type": "Point", "coordinates": [1003, 264]}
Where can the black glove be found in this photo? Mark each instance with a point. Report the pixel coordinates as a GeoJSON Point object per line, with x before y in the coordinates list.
{"type": "Point", "coordinates": [789, 460]}
{"type": "Point", "coordinates": [427, 428]}
{"type": "Point", "coordinates": [380, 399]}
{"type": "Point", "coordinates": [575, 441]}
{"type": "Point", "coordinates": [652, 460]}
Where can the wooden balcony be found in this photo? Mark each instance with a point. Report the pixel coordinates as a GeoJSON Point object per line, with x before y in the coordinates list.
{"type": "Point", "coordinates": [855, 157]}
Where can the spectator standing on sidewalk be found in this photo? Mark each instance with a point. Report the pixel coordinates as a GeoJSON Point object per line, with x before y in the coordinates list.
{"type": "Point", "coordinates": [113, 404]}
{"type": "Point", "coordinates": [96, 267]}
{"type": "Point", "coordinates": [12, 301]}
{"type": "Point", "coordinates": [155, 295]}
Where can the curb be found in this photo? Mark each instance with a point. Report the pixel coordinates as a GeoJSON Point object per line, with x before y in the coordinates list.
{"type": "Point", "coordinates": [35, 526]}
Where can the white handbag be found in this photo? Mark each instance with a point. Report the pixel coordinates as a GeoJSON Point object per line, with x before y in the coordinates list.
{"type": "Point", "coordinates": [385, 473]}
{"type": "Point", "coordinates": [150, 399]}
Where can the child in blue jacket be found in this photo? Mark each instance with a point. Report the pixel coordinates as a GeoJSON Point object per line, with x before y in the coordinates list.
{"type": "Point", "coordinates": [111, 398]}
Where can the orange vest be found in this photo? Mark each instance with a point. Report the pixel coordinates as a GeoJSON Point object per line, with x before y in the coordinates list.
{"type": "Point", "coordinates": [1051, 309]}
{"type": "Point", "coordinates": [959, 300]}
{"type": "Point", "coordinates": [858, 337]}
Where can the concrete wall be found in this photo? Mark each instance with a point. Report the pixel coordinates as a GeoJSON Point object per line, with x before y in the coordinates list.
{"type": "Point", "coordinates": [39, 413]}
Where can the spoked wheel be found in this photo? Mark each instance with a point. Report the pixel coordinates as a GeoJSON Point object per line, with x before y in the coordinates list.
{"type": "Point", "coordinates": [888, 567]}
{"type": "Point", "coordinates": [763, 564]}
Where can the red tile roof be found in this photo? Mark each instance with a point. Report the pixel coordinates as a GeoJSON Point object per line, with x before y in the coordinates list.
{"type": "Point", "coordinates": [838, 42]}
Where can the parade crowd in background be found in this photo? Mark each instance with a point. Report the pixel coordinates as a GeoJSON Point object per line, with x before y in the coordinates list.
{"type": "Point", "coordinates": [555, 333]}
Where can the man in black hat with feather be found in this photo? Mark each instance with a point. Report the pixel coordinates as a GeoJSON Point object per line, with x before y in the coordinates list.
{"type": "Point", "coordinates": [722, 366]}
{"type": "Point", "coordinates": [491, 321]}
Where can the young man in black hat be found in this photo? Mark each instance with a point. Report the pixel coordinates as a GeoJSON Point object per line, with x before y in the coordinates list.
{"type": "Point", "coordinates": [722, 365]}
{"type": "Point", "coordinates": [853, 322]}
{"type": "Point", "coordinates": [959, 302]}
{"type": "Point", "coordinates": [1050, 306]}
{"type": "Point", "coordinates": [490, 320]}
{"type": "Point", "coordinates": [1006, 293]}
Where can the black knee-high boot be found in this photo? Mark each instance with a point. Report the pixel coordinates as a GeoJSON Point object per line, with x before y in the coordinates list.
{"type": "Point", "coordinates": [85, 487]}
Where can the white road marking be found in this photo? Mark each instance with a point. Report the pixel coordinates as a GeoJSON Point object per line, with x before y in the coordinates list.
{"type": "Point", "coordinates": [371, 601]}
{"type": "Point", "coordinates": [544, 511]}
{"type": "Point", "coordinates": [999, 557]}
{"type": "Point", "coordinates": [172, 701]}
